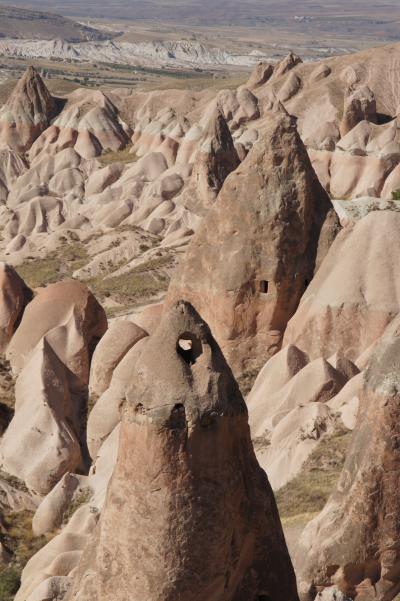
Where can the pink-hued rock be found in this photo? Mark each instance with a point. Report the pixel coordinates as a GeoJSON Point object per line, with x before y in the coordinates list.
{"type": "Point", "coordinates": [73, 322]}
{"type": "Point", "coordinates": [359, 104]}
{"type": "Point", "coordinates": [27, 113]}
{"type": "Point", "coordinates": [254, 253]}
{"type": "Point", "coordinates": [187, 496]}
{"type": "Point", "coordinates": [354, 537]}
{"type": "Point", "coordinates": [14, 296]}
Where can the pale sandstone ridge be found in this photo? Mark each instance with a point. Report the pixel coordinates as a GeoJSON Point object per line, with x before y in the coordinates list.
{"type": "Point", "coordinates": [215, 160]}
{"type": "Point", "coordinates": [353, 543]}
{"type": "Point", "coordinates": [189, 514]}
{"type": "Point", "coordinates": [27, 113]}
{"type": "Point", "coordinates": [120, 337]}
{"type": "Point", "coordinates": [355, 293]}
{"type": "Point", "coordinates": [257, 249]}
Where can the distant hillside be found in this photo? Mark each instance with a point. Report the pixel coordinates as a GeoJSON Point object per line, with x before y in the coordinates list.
{"type": "Point", "coordinates": [32, 24]}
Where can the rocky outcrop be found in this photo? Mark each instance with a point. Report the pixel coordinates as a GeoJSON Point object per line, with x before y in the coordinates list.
{"type": "Point", "coordinates": [73, 322]}
{"type": "Point", "coordinates": [355, 293]}
{"type": "Point", "coordinates": [189, 514]}
{"type": "Point", "coordinates": [270, 226]}
{"type": "Point", "coordinates": [359, 105]}
{"type": "Point", "coordinates": [27, 113]}
{"type": "Point", "coordinates": [14, 295]}
{"type": "Point", "coordinates": [352, 544]}
{"type": "Point", "coordinates": [120, 337]}
{"type": "Point", "coordinates": [261, 73]}
{"type": "Point", "coordinates": [47, 424]}
{"type": "Point", "coordinates": [51, 353]}
{"type": "Point", "coordinates": [214, 161]}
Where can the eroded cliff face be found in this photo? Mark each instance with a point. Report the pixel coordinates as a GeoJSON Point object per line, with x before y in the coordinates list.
{"type": "Point", "coordinates": [353, 543]}
{"type": "Point", "coordinates": [257, 249]}
{"type": "Point", "coordinates": [189, 513]}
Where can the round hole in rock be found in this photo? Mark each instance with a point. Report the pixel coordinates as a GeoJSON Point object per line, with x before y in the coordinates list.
{"type": "Point", "coordinates": [189, 348]}
{"type": "Point", "coordinates": [263, 286]}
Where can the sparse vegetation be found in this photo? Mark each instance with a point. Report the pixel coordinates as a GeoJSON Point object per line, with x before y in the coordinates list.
{"type": "Point", "coordinates": [119, 156]}
{"type": "Point", "coordinates": [56, 266]}
{"type": "Point", "coordinates": [10, 579]}
{"type": "Point", "coordinates": [19, 541]}
{"type": "Point", "coordinates": [247, 379]}
{"type": "Point", "coordinates": [308, 492]}
{"type": "Point", "coordinates": [140, 283]}
{"type": "Point", "coordinates": [80, 498]}
{"type": "Point", "coordinates": [396, 195]}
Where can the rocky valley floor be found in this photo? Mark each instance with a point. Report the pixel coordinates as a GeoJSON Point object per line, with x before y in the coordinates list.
{"type": "Point", "coordinates": [199, 335]}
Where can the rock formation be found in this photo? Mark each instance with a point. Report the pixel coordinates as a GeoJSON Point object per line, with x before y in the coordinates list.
{"type": "Point", "coordinates": [266, 227]}
{"type": "Point", "coordinates": [27, 113]}
{"type": "Point", "coordinates": [188, 513]}
{"type": "Point", "coordinates": [359, 105]}
{"type": "Point", "coordinates": [353, 544]}
{"type": "Point", "coordinates": [355, 293]}
{"type": "Point", "coordinates": [51, 352]}
{"type": "Point", "coordinates": [14, 295]}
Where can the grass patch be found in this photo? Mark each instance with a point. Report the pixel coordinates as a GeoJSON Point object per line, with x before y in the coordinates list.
{"type": "Point", "coordinates": [17, 537]}
{"type": "Point", "coordinates": [56, 266]}
{"type": "Point", "coordinates": [246, 380]}
{"type": "Point", "coordinates": [140, 283]}
{"type": "Point", "coordinates": [10, 580]}
{"type": "Point", "coordinates": [396, 195]}
{"type": "Point", "coordinates": [128, 287]}
{"type": "Point", "coordinates": [119, 156]}
{"type": "Point", "coordinates": [7, 394]}
{"type": "Point", "coordinates": [308, 492]}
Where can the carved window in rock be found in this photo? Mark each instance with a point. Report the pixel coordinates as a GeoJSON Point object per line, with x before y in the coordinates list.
{"type": "Point", "coordinates": [189, 348]}
{"type": "Point", "coordinates": [264, 287]}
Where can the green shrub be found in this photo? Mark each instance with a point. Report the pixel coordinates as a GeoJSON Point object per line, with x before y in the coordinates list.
{"type": "Point", "coordinates": [9, 583]}
{"type": "Point", "coordinates": [396, 195]}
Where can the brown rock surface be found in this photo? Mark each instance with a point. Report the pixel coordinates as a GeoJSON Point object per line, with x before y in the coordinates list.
{"type": "Point", "coordinates": [189, 514]}
{"type": "Point", "coordinates": [27, 113]}
{"type": "Point", "coordinates": [359, 105]}
{"type": "Point", "coordinates": [215, 160]}
{"type": "Point", "coordinates": [14, 295]}
{"type": "Point", "coordinates": [257, 249]}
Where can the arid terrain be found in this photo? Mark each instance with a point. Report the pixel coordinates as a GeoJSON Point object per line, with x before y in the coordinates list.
{"type": "Point", "coordinates": [199, 302]}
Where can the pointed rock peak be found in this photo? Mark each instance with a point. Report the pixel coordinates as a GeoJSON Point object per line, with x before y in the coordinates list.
{"type": "Point", "coordinates": [261, 73]}
{"type": "Point", "coordinates": [249, 298]}
{"type": "Point", "coordinates": [33, 94]}
{"type": "Point", "coordinates": [27, 113]}
{"type": "Point", "coordinates": [289, 62]}
{"type": "Point", "coordinates": [217, 131]}
{"type": "Point", "coordinates": [184, 355]}
{"type": "Point", "coordinates": [186, 482]}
